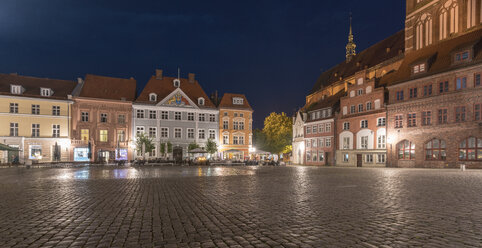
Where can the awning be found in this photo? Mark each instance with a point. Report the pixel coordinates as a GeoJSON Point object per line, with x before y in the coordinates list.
{"type": "Point", "coordinates": [197, 150]}
{"type": "Point", "coordinates": [260, 152]}
{"type": "Point", "coordinates": [7, 148]}
{"type": "Point", "coordinates": [232, 151]}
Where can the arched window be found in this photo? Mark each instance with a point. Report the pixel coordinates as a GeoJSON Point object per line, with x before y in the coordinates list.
{"type": "Point", "coordinates": [428, 31]}
{"type": "Point", "coordinates": [435, 150]}
{"type": "Point", "coordinates": [470, 149]}
{"type": "Point", "coordinates": [406, 150]}
{"type": "Point", "coordinates": [200, 101]}
{"type": "Point", "coordinates": [443, 24]}
{"type": "Point", "coordinates": [454, 18]}
{"type": "Point", "coordinates": [152, 97]}
{"type": "Point", "coordinates": [471, 9]}
{"type": "Point", "coordinates": [419, 36]}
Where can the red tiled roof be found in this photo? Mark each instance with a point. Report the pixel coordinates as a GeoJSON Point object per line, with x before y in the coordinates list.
{"type": "Point", "coordinates": [439, 57]}
{"type": "Point", "coordinates": [61, 88]}
{"type": "Point", "coordinates": [227, 102]}
{"type": "Point", "coordinates": [108, 88]}
{"type": "Point", "coordinates": [369, 57]}
{"type": "Point", "coordinates": [165, 86]}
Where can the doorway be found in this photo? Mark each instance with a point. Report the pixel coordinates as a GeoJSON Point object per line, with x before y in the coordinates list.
{"type": "Point", "coordinates": [359, 160]}
{"type": "Point", "coordinates": [177, 154]}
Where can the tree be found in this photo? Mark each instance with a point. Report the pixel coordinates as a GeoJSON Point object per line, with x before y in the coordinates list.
{"type": "Point", "coordinates": [141, 140]}
{"type": "Point", "coordinates": [278, 131]}
{"type": "Point", "coordinates": [259, 139]}
{"type": "Point", "coordinates": [169, 147]}
{"type": "Point", "coordinates": [211, 146]}
{"type": "Point", "coordinates": [192, 146]}
{"type": "Point", "coordinates": [163, 148]}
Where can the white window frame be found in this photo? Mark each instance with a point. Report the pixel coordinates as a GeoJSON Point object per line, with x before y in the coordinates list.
{"type": "Point", "coordinates": [16, 89]}
{"type": "Point", "coordinates": [140, 129]}
{"type": "Point", "coordinates": [176, 129]}
{"type": "Point", "coordinates": [55, 130]}
{"type": "Point", "coordinates": [164, 132]}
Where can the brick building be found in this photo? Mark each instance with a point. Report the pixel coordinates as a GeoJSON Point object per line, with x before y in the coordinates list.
{"type": "Point", "coordinates": [434, 112]}
{"type": "Point", "coordinates": [361, 124]}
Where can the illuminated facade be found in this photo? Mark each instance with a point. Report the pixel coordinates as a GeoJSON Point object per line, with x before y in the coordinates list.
{"type": "Point", "coordinates": [298, 138]}
{"type": "Point", "coordinates": [35, 114]}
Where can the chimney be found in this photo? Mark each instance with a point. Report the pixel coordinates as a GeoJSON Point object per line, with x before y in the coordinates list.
{"type": "Point", "coordinates": [191, 77]}
{"type": "Point", "coordinates": [159, 74]}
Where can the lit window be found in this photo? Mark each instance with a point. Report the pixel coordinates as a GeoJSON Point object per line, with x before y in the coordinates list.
{"type": "Point", "coordinates": [406, 150]}
{"type": "Point", "coordinates": [435, 150]}
{"type": "Point", "coordinates": [103, 136]}
{"type": "Point", "coordinates": [470, 149]}
{"type": "Point", "coordinates": [121, 135]}
{"type": "Point", "coordinates": [84, 134]}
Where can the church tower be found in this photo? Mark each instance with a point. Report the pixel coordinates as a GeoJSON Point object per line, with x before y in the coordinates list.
{"type": "Point", "coordinates": [351, 46]}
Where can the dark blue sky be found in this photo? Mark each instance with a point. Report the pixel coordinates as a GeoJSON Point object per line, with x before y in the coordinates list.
{"type": "Point", "coordinates": [272, 51]}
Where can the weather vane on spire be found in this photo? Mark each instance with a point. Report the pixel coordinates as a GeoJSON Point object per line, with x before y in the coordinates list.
{"type": "Point", "coordinates": [351, 46]}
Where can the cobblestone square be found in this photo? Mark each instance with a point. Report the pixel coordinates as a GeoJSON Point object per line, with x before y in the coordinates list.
{"type": "Point", "coordinates": [240, 207]}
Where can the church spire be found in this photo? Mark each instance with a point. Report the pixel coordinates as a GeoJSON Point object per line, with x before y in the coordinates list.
{"type": "Point", "coordinates": [351, 46]}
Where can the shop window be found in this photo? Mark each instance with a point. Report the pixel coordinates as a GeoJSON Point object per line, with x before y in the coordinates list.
{"type": "Point", "coordinates": [435, 150]}
{"type": "Point", "coordinates": [471, 149]}
{"type": "Point", "coordinates": [406, 150]}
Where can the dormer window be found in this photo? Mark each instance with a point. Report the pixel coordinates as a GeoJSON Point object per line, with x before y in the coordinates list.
{"type": "Point", "coordinates": [238, 100]}
{"type": "Point", "coordinates": [152, 97]}
{"type": "Point", "coordinates": [462, 56]}
{"type": "Point", "coordinates": [419, 68]}
{"type": "Point", "coordinates": [45, 91]}
{"type": "Point", "coordinates": [177, 83]}
{"type": "Point", "coordinates": [16, 89]}
{"type": "Point", "coordinates": [200, 101]}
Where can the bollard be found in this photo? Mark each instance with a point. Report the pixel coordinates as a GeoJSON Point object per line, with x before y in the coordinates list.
{"type": "Point", "coordinates": [462, 167]}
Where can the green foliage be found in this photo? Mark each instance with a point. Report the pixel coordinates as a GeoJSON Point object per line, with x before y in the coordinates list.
{"type": "Point", "coordinates": [278, 133]}
{"type": "Point", "coordinates": [192, 146]}
{"type": "Point", "coordinates": [163, 148]}
{"type": "Point", "coordinates": [146, 140]}
{"type": "Point", "coordinates": [259, 139]}
{"type": "Point", "coordinates": [211, 146]}
{"type": "Point", "coordinates": [169, 147]}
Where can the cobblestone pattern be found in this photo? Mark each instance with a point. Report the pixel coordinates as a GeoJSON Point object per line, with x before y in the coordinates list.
{"type": "Point", "coordinates": [240, 207]}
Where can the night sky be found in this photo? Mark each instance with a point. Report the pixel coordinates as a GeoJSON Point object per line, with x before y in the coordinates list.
{"type": "Point", "coordinates": [272, 51]}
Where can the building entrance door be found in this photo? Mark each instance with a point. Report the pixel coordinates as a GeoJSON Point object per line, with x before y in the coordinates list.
{"type": "Point", "coordinates": [177, 154]}
{"type": "Point", "coordinates": [358, 160]}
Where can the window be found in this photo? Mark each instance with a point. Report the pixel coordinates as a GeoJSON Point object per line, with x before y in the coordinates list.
{"type": "Point", "coordinates": [165, 115]}
{"type": "Point", "coordinates": [14, 108]}
{"type": "Point", "coordinates": [406, 150]}
{"type": "Point", "coordinates": [140, 113]}
{"type": "Point", "coordinates": [443, 86]}
{"type": "Point", "coordinates": [461, 83]}
{"type": "Point", "coordinates": [368, 158]}
{"type": "Point", "coordinates": [315, 129]}
{"type": "Point", "coordinates": [238, 100]}
{"type": "Point", "coordinates": [369, 106]}
{"type": "Point", "coordinates": [359, 92]}
{"type": "Point", "coordinates": [241, 125]}
{"type": "Point", "coordinates": [165, 132]}
{"type": "Point", "coordinates": [321, 156]}
{"type": "Point", "coordinates": [176, 82]}
{"type": "Point", "coordinates": [381, 121]}
{"type": "Point", "coordinates": [45, 91]}
{"type": "Point", "coordinates": [328, 142]}
{"type": "Point", "coordinates": [14, 129]}
{"type": "Point", "coordinates": [321, 128]}
{"type": "Point", "coordinates": [413, 93]}
{"type": "Point", "coordinates": [35, 152]}
{"type": "Point", "coordinates": [308, 129]}
{"type": "Point", "coordinates": [381, 142]}
{"type": "Point", "coordinates": [308, 156]}
{"type": "Point", "coordinates": [225, 139]}
{"type": "Point", "coordinates": [35, 130]}
{"type": "Point", "coordinates": [314, 143]}
{"type": "Point", "coordinates": [140, 130]}
{"type": "Point", "coordinates": [190, 133]}
{"type": "Point", "coordinates": [225, 114]}
{"type": "Point", "coordinates": [477, 80]}
{"type": "Point", "coordinates": [84, 134]}
{"type": "Point", "coordinates": [177, 116]}
{"type": "Point", "coordinates": [321, 142]}
{"type": "Point", "coordinates": [470, 149]}
{"type": "Point", "coordinates": [235, 114]}
{"type": "Point", "coordinates": [398, 121]}
{"type": "Point", "coordinates": [364, 142]}
{"type": "Point", "coordinates": [16, 89]}
{"type": "Point", "coordinates": [381, 158]}
{"type": "Point", "coordinates": [152, 132]}
{"type": "Point", "coordinates": [56, 110]}
{"type": "Point", "coordinates": [201, 134]}
{"type": "Point", "coordinates": [152, 114]}
{"type": "Point", "coordinates": [235, 140]}
{"type": "Point", "coordinates": [241, 115]}
{"type": "Point", "coordinates": [427, 90]}
{"type": "Point", "coordinates": [412, 120]}
{"type": "Point", "coordinates": [121, 119]}
{"type": "Point", "coordinates": [364, 124]}
{"type": "Point", "coordinates": [400, 95]}
{"type": "Point", "coordinates": [462, 56]}
{"type": "Point", "coordinates": [55, 131]}
{"type": "Point", "coordinates": [35, 109]}
{"type": "Point", "coordinates": [152, 97]}
{"type": "Point", "coordinates": [225, 124]}
{"type": "Point", "coordinates": [346, 142]}
{"type": "Point", "coordinates": [426, 118]}
{"type": "Point", "coordinates": [308, 143]}
{"type": "Point", "coordinates": [352, 109]}
{"type": "Point", "coordinates": [212, 117]}
{"type": "Point", "coordinates": [314, 157]}
{"type": "Point", "coordinates": [328, 127]}
{"type": "Point", "coordinates": [212, 134]}
{"type": "Point", "coordinates": [177, 133]}
{"type": "Point", "coordinates": [121, 135]}
{"type": "Point", "coordinates": [200, 101]}
{"type": "Point", "coordinates": [460, 114]}
{"type": "Point", "coordinates": [435, 150]}
{"type": "Point", "coordinates": [478, 112]}
{"type": "Point", "coordinates": [442, 116]}
{"type": "Point", "coordinates": [103, 117]}
{"type": "Point", "coordinates": [360, 107]}
{"type": "Point", "coordinates": [235, 125]}
{"type": "Point", "coordinates": [346, 125]}
{"type": "Point", "coordinates": [103, 136]}
{"type": "Point", "coordinates": [345, 157]}
{"type": "Point", "coordinates": [202, 117]}
{"type": "Point", "coordinates": [471, 13]}
{"type": "Point", "coordinates": [241, 140]}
